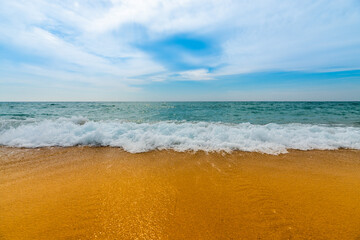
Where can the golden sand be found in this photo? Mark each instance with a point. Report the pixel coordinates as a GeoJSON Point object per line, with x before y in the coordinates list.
{"type": "Point", "coordinates": [106, 193]}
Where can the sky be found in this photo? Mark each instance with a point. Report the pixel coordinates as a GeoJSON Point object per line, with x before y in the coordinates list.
{"type": "Point", "coordinates": [184, 50]}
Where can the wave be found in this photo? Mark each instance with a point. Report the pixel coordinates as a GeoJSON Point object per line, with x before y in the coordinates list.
{"type": "Point", "coordinates": [180, 136]}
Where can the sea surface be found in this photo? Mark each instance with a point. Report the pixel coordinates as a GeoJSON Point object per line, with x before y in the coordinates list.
{"type": "Point", "coordinates": [268, 127]}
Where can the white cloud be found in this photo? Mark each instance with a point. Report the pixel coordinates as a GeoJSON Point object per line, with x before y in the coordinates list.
{"type": "Point", "coordinates": [195, 75]}
{"type": "Point", "coordinates": [87, 37]}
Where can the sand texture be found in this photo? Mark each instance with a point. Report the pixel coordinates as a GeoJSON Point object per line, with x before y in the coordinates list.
{"type": "Point", "coordinates": [106, 193]}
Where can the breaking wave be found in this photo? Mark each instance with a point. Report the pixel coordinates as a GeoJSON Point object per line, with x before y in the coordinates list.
{"type": "Point", "coordinates": [180, 136]}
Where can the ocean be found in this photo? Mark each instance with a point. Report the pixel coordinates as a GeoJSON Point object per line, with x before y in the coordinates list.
{"type": "Point", "coordinates": [267, 127]}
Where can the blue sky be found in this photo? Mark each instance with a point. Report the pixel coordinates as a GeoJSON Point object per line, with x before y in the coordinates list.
{"type": "Point", "coordinates": [185, 50]}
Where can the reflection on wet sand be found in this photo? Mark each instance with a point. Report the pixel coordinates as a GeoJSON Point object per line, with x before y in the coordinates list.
{"type": "Point", "coordinates": [106, 193]}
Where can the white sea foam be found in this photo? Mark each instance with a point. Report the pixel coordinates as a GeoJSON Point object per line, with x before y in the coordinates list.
{"type": "Point", "coordinates": [181, 136]}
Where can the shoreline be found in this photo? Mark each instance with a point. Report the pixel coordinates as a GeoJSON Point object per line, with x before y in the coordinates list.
{"type": "Point", "coordinates": [221, 151]}
{"type": "Point", "coordinates": [106, 193]}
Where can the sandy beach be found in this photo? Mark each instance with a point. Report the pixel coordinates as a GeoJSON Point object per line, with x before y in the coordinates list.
{"type": "Point", "coordinates": [107, 193]}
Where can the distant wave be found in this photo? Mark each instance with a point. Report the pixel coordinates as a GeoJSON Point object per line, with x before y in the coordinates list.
{"type": "Point", "coordinates": [180, 136]}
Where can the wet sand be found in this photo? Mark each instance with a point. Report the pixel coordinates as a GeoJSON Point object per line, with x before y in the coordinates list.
{"type": "Point", "coordinates": [106, 193]}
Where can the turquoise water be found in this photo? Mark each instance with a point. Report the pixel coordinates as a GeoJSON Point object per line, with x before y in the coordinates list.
{"type": "Point", "coordinates": [268, 127]}
{"type": "Point", "coordinates": [346, 113]}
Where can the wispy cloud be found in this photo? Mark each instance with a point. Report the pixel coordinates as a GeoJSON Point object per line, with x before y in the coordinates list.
{"type": "Point", "coordinates": [134, 42]}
